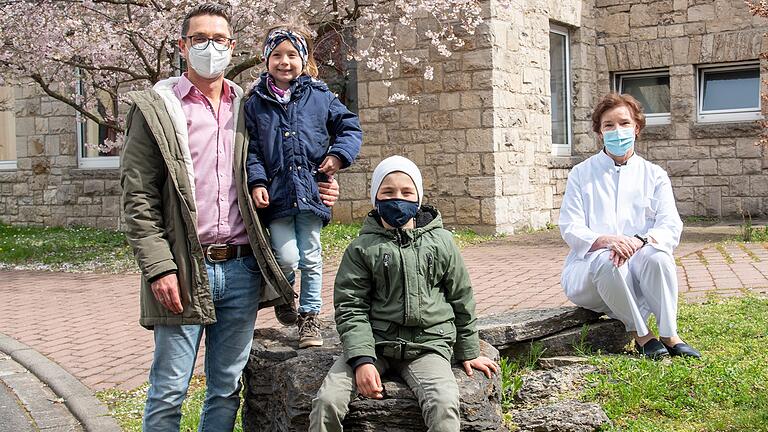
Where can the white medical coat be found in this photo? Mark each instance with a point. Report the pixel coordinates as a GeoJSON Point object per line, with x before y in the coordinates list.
{"type": "Point", "coordinates": [604, 199]}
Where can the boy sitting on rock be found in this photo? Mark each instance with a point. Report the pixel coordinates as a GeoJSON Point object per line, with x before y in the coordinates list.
{"type": "Point", "coordinates": [403, 303]}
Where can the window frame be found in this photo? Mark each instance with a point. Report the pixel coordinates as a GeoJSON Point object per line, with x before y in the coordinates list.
{"type": "Point", "coordinates": [564, 149]}
{"type": "Point", "coordinates": [651, 119]}
{"type": "Point", "coordinates": [89, 162]}
{"type": "Point", "coordinates": [11, 164]}
{"type": "Point", "coordinates": [727, 115]}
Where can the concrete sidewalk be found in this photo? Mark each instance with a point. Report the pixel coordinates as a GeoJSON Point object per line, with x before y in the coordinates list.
{"type": "Point", "coordinates": [88, 323]}
{"type": "Point", "coordinates": [36, 394]}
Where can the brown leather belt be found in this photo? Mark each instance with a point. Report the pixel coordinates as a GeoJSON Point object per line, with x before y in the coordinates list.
{"type": "Point", "coordinates": [221, 252]}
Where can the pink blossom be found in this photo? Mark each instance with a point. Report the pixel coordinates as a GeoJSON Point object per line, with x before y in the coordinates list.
{"type": "Point", "coordinates": [112, 46]}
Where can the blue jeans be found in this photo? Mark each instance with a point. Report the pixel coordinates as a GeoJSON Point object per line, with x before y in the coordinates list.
{"type": "Point", "coordinates": [235, 289]}
{"type": "Point", "coordinates": [296, 242]}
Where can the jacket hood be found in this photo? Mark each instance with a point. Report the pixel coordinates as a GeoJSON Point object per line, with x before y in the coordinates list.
{"type": "Point", "coordinates": [427, 219]}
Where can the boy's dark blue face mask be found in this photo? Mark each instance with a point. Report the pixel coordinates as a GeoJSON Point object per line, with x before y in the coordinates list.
{"type": "Point", "coordinates": [396, 212]}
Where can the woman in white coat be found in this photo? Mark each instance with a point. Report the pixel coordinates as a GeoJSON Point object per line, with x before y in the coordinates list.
{"type": "Point", "coordinates": [620, 220]}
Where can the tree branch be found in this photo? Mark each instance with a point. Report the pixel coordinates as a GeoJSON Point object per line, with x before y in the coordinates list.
{"type": "Point", "coordinates": [140, 53]}
{"type": "Point", "coordinates": [58, 96]}
{"type": "Point", "coordinates": [89, 67]}
{"type": "Point", "coordinates": [141, 3]}
{"type": "Point", "coordinates": [241, 67]}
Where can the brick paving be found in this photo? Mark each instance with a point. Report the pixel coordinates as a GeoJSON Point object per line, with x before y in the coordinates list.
{"type": "Point", "coordinates": [88, 323]}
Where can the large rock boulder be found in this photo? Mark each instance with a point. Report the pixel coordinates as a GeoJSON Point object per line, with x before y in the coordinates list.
{"type": "Point", "coordinates": [566, 416]}
{"type": "Point", "coordinates": [281, 380]}
{"type": "Point", "coordinates": [547, 400]}
{"type": "Point", "coordinates": [549, 385]}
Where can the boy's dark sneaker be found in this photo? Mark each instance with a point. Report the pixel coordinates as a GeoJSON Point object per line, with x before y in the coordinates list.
{"type": "Point", "coordinates": [309, 330]}
{"type": "Point", "coordinates": [286, 314]}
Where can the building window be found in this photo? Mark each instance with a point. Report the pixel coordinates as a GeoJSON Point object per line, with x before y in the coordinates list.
{"type": "Point", "coordinates": [93, 140]}
{"type": "Point", "coordinates": [7, 129]}
{"type": "Point", "coordinates": [651, 89]}
{"type": "Point", "coordinates": [729, 93]}
{"type": "Point", "coordinates": [560, 88]}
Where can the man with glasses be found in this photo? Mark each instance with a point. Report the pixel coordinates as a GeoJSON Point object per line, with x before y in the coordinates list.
{"type": "Point", "coordinates": [206, 266]}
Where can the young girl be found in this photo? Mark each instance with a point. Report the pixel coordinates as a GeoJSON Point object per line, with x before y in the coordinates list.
{"type": "Point", "coordinates": [299, 134]}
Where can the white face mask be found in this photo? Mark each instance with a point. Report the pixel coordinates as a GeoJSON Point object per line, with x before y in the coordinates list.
{"type": "Point", "coordinates": [210, 62]}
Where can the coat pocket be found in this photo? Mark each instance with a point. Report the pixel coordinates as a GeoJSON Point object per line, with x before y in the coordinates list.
{"type": "Point", "coordinates": [443, 331]}
{"type": "Point", "coordinates": [652, 208]}
{"type": "Point", "coordinates": [382, 330]}
{"type": "Point", "coordinates": [645, 208]}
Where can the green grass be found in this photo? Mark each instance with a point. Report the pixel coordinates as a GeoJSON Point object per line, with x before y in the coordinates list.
{"type": "Point", "coordinates": [748, 233]}
{"type": "Point", "coordinates": [127, 407]}
{"type": "Point", "coordinates": [93, 249]}
{"type": "Point", "coordinates": [467, 237]}
{"type": "Point", "coordinates": [336, 236]}
{"type": "Point", "coordinates": [80, 248]}
{"type": "Point", "coordinates": [549, 226]}
{"type": "Point", "coordinates": [752, 234]}
{"type": "Point", "coordinates": [512, 371]}
{"type": "Point", "coordinates": [726, 391]}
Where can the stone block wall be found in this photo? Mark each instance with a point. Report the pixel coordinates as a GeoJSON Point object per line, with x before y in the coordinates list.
{"type": "Point", "coordinates": [47, 188]}
{"type": "Point", "coordinates": [715, 168]}
{"type": "Point", "coordinates": [522, 128]}
{"type": "Point", "coordinates": [481, 130]}
{"type": "Point", "coordinates": [448, 133]}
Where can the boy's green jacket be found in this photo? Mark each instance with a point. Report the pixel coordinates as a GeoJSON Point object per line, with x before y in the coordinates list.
{"type": "Point", "coordinates": [402, 293]}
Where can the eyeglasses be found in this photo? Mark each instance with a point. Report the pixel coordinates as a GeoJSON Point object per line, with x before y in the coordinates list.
{"type": "Point", "coordinates": [200, 42]}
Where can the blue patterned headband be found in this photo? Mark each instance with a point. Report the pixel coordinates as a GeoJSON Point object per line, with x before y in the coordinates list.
{"type": "Point", "coordinates": [278, 36]}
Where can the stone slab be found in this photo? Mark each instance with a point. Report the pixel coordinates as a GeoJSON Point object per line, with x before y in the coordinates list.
{"type": "Point", "coordinates": [505, 329]}
{"type": "Point", "coordinates": [608, 336]}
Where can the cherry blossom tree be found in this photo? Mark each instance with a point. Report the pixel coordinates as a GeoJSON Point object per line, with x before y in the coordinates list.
{"type": "Point", "coordinates": [88, 53]}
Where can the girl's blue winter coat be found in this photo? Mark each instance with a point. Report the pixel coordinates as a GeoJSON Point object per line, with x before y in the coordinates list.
{"type": "Point", "coordinates": [288, 143]}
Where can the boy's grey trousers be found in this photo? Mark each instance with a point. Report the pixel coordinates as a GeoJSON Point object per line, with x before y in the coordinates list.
{"type": "Point", "coordinates": [429, 376]}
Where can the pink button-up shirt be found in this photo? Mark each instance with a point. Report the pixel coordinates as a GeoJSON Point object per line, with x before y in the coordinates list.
{"type": "Point", "coordinates": [211, 146]}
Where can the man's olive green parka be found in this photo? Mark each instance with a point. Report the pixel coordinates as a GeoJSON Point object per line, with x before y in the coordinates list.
{"type": "Point", "coordinates": [159, 212]}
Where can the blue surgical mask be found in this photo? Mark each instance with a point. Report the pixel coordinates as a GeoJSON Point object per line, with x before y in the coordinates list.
{"type": "Point", "coordinates": [619, 141]}
{"type": "Point", "coordinates": [396, 212]}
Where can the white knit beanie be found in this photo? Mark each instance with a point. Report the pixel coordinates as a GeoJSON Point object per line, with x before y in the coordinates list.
{"type": "Point", "coordinates": [393, 164]}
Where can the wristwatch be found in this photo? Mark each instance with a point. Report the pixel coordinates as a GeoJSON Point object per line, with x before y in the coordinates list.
{"type": "Point", "coordinates": [642, 239]}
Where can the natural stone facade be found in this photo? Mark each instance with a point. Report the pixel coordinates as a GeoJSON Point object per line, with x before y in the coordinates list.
{"type": "Point", "coordinates": [47, 187]}
{"type": "Point", "coordinates": [716, 169]}
{"type": "Point", "coordinates": [481, 131]}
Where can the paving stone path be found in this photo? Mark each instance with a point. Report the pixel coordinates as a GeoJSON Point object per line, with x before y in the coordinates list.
{"type": "Point", "coordinates": [88, 323]}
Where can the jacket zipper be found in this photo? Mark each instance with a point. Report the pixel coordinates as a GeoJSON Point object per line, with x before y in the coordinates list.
{"type": "Point", "coordinates": [386, 272]}
{"type": "Point", "coordinates": [405, 289]}
{"type": "Point", "coordinates": [429, 270]}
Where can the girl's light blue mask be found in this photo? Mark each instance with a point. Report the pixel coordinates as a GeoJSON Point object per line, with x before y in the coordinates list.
{"type": "Point", "coordinates": [619, 141]}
